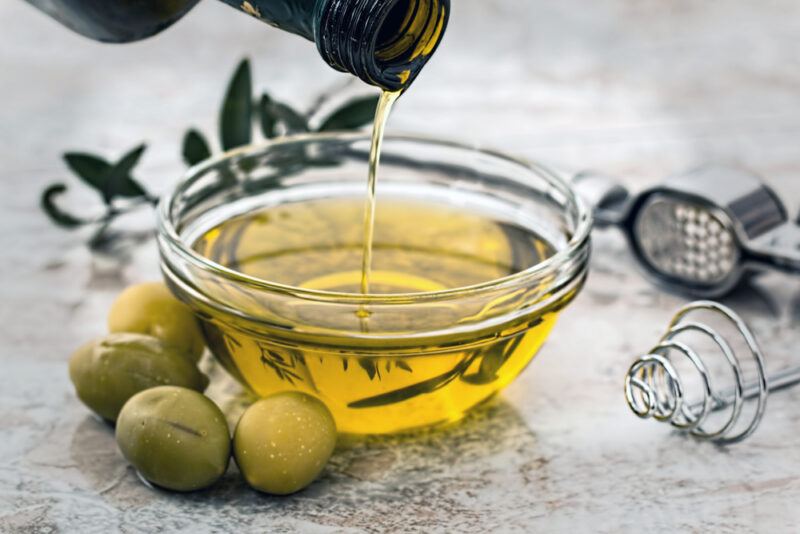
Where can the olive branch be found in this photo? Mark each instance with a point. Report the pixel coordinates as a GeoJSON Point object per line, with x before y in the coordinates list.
{"type": "Point", "coordinates": [241, 115]}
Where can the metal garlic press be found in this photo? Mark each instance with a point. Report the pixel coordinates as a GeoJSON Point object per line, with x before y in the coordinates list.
{"type": "Point", "coordinates": [702, 231]}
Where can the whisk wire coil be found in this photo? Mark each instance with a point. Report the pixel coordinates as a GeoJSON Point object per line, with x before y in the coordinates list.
{"type": "Point", "coordinates": [653, 386]}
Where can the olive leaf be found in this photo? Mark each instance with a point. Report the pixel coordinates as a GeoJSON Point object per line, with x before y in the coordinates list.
{"type": "Point", "coordinates": [267, 118]}
{"type": "Point", "coordinates": [368, 365]}
{"type": "Point", "coordinates": [92, 170]}
{"type": "Point", "coordinates": [292, 120]}
{"type": "Point", "coordinates": [273, 114]}
{"type": "Point", "coordinates": [235, 121]}
{"type": "Point", "coordinates": [56, 214]}
{"type": "Point", "coordinates": [403, 365]}
{"type": "Point", "coordinates": [284, 369]}
{"type": "Point", "coordinates": [195, 148]}
{"type": "Point", "coordinates": [119, 182]}
{"type": "Point", "coordinates": [352, 115]}
{"type": "Point", "coordinates": [110, 181]}
{"type": "Point", "coordinates": [415, 390]}
{"type": "Point", "coordinates": [238, 112]}
{"type": "Point", "coordinates": [288, 365]}
{"type": "Point", "coordinates": [492, 360]}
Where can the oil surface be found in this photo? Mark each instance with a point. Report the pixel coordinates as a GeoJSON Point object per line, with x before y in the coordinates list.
{"type": "Point", "coordinates": [379, 385]}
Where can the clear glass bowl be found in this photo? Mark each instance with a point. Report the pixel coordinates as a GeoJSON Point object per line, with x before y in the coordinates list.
{"type": "Point", "coordinates": [428, 356]}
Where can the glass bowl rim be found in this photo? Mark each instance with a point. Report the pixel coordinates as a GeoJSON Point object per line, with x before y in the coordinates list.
{"type": "Point", "coordinates": [169, 239]}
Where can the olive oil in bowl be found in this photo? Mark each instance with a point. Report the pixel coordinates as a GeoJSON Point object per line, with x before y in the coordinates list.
{"type": "Point", "coordinates": [418, 246]}
{"type": "Point", "coordinates": [473, 257]}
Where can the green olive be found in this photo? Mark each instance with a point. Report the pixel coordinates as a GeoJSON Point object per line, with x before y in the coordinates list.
{"type": "Point", "coordinates": [151, 309]}
{"type": "Point", "coordinates": [175, 437]}
{"type": "Point", "coordinates": [283, 442]}
{"type": "Point", "coordinates": [108, 371]}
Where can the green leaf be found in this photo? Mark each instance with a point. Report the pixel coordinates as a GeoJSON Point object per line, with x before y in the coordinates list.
{"type": "Point", "coordinates": [267, 117]}
{"type": "Point", "coordinates": [414, 390]}
{"type": "Point", "coordinates": [352, 115]}
{"type": "Point", "coordinates": [292, 121]}
{"type": "Point", "coordinates": [119, 182]}
{"type": "Point", "coordinates": [237, 109]}
{"type": "Point", "coordinates": [368, 365]}
{"type": "Point", "coordinates": [92, 170]}
{"type": "Point", "coordinates": [492, 360]}
{"type": "Point", "coordinates": [195, 148]}
{"type": "Point", "coordinates": [109, 180]}
{"type": "Point", "coordinates": [273, 114]}
{"type": "Point", "coordinates": [56, 214]}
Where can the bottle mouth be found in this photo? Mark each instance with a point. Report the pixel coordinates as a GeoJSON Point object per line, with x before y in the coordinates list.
{"type": "Point", "coordinates": [385, 42]}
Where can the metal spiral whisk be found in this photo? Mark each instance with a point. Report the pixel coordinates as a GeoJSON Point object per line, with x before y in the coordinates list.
{"type": "Point", "coordinates": [653, 387]}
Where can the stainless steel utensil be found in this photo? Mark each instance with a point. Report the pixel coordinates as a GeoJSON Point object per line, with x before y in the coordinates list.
{"type": "Point", "coordinates": [702, 231]}
{"type": "Point", "coordinates": [654, 388]}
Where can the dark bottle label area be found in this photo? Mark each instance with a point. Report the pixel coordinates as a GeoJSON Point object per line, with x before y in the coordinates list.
{"type": "Point", "coordinates": [115, 21]}
{"type": "Point", "coordinates": [121, 21]}
{"type": "Point", "coordinates": [384, 42]}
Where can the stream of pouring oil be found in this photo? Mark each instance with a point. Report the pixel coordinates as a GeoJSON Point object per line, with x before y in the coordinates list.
{"type": "Point", "coordinates": [382, 112]}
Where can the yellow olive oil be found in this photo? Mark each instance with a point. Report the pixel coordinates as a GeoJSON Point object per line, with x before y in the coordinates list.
{"type": "Point", "coordinates": [378, 368]}
{"type": "Point", "coordinates": [393, 381]}
{"type": "Point", "coordinates": [382, 113]}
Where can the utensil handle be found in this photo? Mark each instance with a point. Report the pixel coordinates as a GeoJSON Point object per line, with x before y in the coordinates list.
{"type": "Point", "coordinates": [608, 199]}
{"type": "Point", "coordinates": [778, 249]}
{"type": "Point", "coordinates": [781, 380]}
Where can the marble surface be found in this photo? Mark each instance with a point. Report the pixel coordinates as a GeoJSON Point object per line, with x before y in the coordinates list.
{"type": "Point", "coordinates": [639, 89]}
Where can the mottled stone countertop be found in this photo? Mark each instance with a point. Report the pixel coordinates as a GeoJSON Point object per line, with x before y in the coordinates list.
{"type": "Point", "coordinates": [639, 89]}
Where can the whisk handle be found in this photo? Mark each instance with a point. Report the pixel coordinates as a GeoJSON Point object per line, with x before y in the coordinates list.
{"type": "Point", "coordinates": [781, 380]}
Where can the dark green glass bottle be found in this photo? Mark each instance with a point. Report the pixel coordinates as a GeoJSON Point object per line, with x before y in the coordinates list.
{"type": "Point", "coordinates": [383, 42]}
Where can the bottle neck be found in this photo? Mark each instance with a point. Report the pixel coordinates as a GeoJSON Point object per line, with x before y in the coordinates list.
{"type": "Point", "coordinates": [384, 42]}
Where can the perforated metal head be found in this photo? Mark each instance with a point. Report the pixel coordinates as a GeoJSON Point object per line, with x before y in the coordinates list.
{"type": "Point", "coordinates": [701, 231]}
{"type": "Point", "coordinates": [688, 242]}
